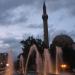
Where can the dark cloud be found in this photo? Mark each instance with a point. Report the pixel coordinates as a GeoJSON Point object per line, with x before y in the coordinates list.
{"type": "Point", "coordinates": [52, 5]}
{"type": "Point", "coordinates": [70, 5]}
{"type": "Point", "coordinates": [9, 4]}
{"type": "Point", "coordinates": [35, 26]}
{"type": "Point", "coordinates": [56, 5]}
{"type": "Point", "coordinates": [9, 18]}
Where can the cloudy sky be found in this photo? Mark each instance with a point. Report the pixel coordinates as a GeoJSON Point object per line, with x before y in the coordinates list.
{"type": "Point", "coordinates": [22, 18]}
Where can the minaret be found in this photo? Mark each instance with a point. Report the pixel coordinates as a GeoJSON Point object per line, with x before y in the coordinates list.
{"type": "Point", "coordinates": [45, 23]}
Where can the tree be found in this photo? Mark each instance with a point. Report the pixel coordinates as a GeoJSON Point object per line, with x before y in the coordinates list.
{"type": "Point", "coordinates": [26, 48]}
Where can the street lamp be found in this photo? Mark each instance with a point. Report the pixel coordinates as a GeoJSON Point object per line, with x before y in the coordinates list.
{"type": "Point", "coordinates": [7, 65]}
{"type": "Point", "coordinates": [63, 67]}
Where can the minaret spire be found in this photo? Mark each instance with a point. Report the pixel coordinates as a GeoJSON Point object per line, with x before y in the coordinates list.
{"type": "Point", "coordinates": [44, 8]}
{"type": "Point", "coordinates": [45, 23]}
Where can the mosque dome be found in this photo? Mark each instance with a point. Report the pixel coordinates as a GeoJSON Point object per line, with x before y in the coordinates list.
{"type": "Point", "coordinates": [62, 41]}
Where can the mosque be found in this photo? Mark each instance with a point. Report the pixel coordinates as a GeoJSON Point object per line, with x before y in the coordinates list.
{"type": "Point", "coordinates": [67, 40]}
{"type": "Point", "coordinates": [64, 41]}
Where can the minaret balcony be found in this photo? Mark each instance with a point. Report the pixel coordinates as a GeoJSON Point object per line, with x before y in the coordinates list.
{"type": "Point", "coordinates": [45, 16]}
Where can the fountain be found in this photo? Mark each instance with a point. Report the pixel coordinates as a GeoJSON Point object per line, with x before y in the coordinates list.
{"type": "Point", "coordinates": [47, 63]}
{"type": "Point", "coordinates": [22, 64]}
{"type": "Point", "coordinates": [59, 60]}
{"type": "Point", "coordinates": [44, 64]}
{"type": "Point", "coordinates": [38, 60]}
{"type": "Point", "coordinates": [9, 66]}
